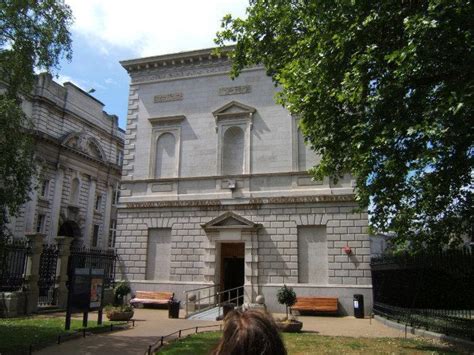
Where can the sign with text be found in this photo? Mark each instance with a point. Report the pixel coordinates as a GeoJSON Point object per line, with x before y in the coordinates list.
{"type": "Point", "coordinates": [86, 289]}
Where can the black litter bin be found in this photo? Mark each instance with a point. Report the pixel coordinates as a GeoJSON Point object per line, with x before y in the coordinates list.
{"type": "Point", "coordinates": [227, 307]}
{"type": "Point", "coordinates": [359, 306]}
{"type": "Point", "coordinates": [173, 309]}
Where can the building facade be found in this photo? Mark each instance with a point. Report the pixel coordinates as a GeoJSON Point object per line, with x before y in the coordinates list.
{"type": "Point", "coordinates": [78, 151]}
{"type": "Point", "coordinates": [215, 189]}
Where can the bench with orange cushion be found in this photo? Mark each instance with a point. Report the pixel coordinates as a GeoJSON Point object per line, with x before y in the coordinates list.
{"type": "Point", "coordinates": [151, 297]}
{"type": "Point", "coordinates": [316, 304]}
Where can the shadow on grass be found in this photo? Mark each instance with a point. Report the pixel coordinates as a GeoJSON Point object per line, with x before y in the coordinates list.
{"type": "Point", "coordinates": [19, 334]}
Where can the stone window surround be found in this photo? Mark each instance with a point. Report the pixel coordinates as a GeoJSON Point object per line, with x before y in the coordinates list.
{"type": "Point", "coordinates": [45, 188]}
{"type": "Point", "coordinates": [74, 196]}
{"type": "Point", "coordinates": [160, 126]}
{"type": "Point", "coordinates": [226, 120]}
{"type": "Point", "coordinates": [40, 223]}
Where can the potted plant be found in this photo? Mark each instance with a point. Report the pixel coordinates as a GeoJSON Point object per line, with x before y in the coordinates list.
{"type": "Point", "coordinates": [118, 311]}
{"type": "Point", "coordinates": [287, 296]}
{"type": "Point", "coordinates": [120, 291]}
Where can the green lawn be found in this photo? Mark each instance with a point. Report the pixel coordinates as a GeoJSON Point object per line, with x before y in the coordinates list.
{"type": "Point", "coordinates": [308, 343]}
{"type": "Point", "coordinates": [17, 334]}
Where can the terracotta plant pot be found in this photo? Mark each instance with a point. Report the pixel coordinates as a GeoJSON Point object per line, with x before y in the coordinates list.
{"type": "Point", "coordinates": [119, 316]}
{"type": "Point", "coordinates": [292, 326]}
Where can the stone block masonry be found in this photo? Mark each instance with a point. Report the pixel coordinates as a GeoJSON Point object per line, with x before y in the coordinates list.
{"type": "Point", "coordinates": [277, 241]}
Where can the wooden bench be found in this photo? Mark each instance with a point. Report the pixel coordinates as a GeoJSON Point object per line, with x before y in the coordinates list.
{"type": "Point", "coordinates": [151, 298]}
{"type": "Point", "coordinates": [316, 304]}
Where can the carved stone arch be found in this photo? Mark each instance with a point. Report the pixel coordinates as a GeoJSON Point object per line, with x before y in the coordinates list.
{"type": "Point", "coordinates": [233, 151]}
{"type": "Point", "coordinates": [72, 140]}
{"type": "Point", "coordinates": [94, 148]}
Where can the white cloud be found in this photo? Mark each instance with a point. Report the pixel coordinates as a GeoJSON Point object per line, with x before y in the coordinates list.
{"type": "Point", "coordinates": [110, 81]}
{"type": "Point", "coordinates": [61, 79]}
{"type": "Point", "coordinates": [152, 27]}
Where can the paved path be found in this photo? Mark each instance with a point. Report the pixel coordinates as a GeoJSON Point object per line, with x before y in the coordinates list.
{"type": "Point", "coordinates": [152, 323]}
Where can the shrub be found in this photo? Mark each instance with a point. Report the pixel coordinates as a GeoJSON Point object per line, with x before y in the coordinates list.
{"type": "Point", "coordinates": [286, 296]}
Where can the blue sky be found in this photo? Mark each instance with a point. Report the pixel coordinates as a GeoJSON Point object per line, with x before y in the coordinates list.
{"type": "Point", "coordinates": [107, 31]}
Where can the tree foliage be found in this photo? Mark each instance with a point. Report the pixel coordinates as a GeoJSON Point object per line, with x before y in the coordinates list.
{"type": "Point", "coordinates": [34, 35]}
{"type": "Point", "coordinates": [384, 90]}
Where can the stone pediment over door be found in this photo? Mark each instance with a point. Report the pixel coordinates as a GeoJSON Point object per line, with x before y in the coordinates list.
{"type": "Point", "coordinates": [230, 220]}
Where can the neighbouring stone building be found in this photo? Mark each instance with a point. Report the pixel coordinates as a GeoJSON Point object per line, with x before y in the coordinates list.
{"type": "Point", "coordinates": [78, 150]}
{"type": "Point", "coordinates": [215, 189]}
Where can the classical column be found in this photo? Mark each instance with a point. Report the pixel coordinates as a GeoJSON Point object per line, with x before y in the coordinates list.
{"type": "Point", "coordinates": [56, 208]}
{"type": "Point", "coordinates": [90, 212]}
{"type": "Point", "coordinates": [108, 209]}
{"type": "Point", "coordinates": [32, 271]}
{"type": "Point", "coordinates": [64, 248]}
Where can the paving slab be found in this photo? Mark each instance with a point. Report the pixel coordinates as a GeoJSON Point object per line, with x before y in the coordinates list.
{"type": "Point", "coordinates": [151, 324]}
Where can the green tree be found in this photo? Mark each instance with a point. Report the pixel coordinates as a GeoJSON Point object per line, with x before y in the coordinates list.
{"type": "Point", "coordinates": [384, 90]}
{"type": "Point", "coordinates": [34, 35]}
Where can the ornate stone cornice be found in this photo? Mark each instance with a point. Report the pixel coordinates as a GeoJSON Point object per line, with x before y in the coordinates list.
{"type": "Point", "coordinates": [252, 203]}
{"type": "Point", "coordinates": [178, 65]}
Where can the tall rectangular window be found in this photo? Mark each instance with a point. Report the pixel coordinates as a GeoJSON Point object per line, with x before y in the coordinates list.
{"type": "Point", "coordinates": [115, 196]}
{"type": "Point", "coordinates": [95, 236]}
{"type": "Point", "coordinates": [98, 202]}
{"type": "Point", "coordinates": [158, 254]}
{"type": "Point", "coordinates": [112, 233]}
{"type": "Point", "coordinates": [45, 188]}
{"type": "Point", "coordinates": [119, 157]}
{"type": "Point", "coordinates": [312, 255]}
{"type": "Point", "coordinates": [40, 222]}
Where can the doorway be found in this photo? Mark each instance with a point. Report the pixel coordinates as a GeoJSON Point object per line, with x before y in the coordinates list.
{"type": "Point", "coordinates": [233, 270]}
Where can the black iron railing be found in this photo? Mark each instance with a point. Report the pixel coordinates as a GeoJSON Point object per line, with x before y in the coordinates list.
{"type": "Point", "coordinates": [429, 290]}
{"type": "Point", "coordinates": [47, 274]}
{"type": "Point", "coordinates": [13, 260]}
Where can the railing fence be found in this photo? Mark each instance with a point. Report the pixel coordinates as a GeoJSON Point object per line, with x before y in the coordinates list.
{"type": "Point", "coordinates": [47, 275]}
{"type": "Point", "coordinates": [430, 290]}
{"type": "Point", "coordinates": [13, 259]}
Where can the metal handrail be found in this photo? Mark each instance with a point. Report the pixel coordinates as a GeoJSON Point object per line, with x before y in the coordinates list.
{"type": "Point", "coordinates": [199, 298]}
{"type": "Point", "coordinates": [216, 297]}
{"type": "Point", "coordinates": [229, 299]}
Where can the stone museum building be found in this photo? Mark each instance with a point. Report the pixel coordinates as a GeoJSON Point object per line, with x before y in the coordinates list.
{"type": "Point", "coordinates": [215, 190]}
{"type": "Point", "coordinates": [78, 151]}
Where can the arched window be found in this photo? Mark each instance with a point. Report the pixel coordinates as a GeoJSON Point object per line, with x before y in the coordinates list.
{"type": "Point", "coordinates": [165, 158]}
{"type": "Point", "coordinates": [233, 154]}
{"type": "Point", "coordinates": [75, 186]}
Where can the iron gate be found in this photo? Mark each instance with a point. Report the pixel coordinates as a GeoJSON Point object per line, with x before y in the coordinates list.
{"type": "Point", "coordinates": [47, 275]}
{"type": "Point", "coordinates": [13, 260]}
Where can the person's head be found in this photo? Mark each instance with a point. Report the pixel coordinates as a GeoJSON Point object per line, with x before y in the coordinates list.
{"type": "Point", "coordinates": [250, 332]}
